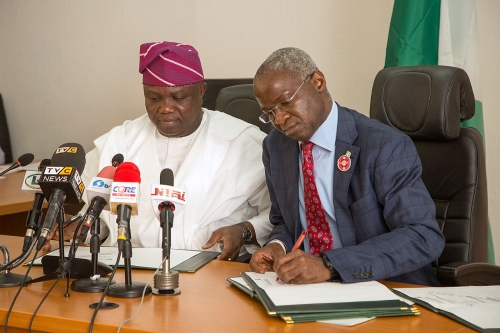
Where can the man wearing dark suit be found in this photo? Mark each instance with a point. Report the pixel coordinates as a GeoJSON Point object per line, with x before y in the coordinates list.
{"type": "Point", "coordinates": [351, 182]}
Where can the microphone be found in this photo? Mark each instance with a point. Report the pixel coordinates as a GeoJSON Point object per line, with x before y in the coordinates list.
{"type": "Point", "coordinates": [30, 185]}
{"type": "Point", "coordinates": [123, 201]}
{"type": "Point", "coordinates": [125, 197]}
{"type": "Point", "coordinates": [166, 209]}
{"type": "Point", "coordinates": [167, 194]}
{"type": "Point", "coordinates": [61, 182]}
{"type": "Point", "coordinates": [117, 160]}
{"type": "Point", "coordinates": [166, 281]}
{"type": "Point", "coordinates": [98, 194]}
{"type": "Point", "coordinates": [23, 160]}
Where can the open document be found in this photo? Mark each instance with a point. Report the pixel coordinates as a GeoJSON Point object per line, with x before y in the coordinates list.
{"type": "Point", "coordinates": [475, 306]}
{"type": "Point", "coordinates": [322, 301]}
{"type": "Point", "coordinates": [144, 258]}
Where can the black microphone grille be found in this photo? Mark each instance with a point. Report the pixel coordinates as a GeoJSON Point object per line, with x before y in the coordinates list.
{"type": "Point", "coordinates": [69, 154]}
{"type": "Point", "coordinates": [117, 160]}
{"type": "Point", "coordinates": [25, 159]}
{"type": "Point", "coordinates": [167, 177]}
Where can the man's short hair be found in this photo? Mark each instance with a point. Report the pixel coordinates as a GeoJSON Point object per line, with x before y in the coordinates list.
{"type": "Point", "coordinates": [291, 59]}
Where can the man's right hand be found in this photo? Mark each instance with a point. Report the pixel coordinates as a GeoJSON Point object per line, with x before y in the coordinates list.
{"type": "Point", "coordinates": [263, 259]}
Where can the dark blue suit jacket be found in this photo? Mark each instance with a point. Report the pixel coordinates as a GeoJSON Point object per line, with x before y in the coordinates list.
{"type": "Point", "coordinates": [385, 216]}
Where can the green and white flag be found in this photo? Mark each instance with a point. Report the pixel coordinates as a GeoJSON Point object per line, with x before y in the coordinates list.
{"type": "Point", "coordinates": [439, 32]}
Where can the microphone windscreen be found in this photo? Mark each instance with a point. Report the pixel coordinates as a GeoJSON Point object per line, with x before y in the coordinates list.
{"type": "Point", "coordinates": [69, 154]}
{"type": "Point", "coordinates": [127, 172]}
{"type": "Point", "coordinates": [43, 164]}
{"type": "Point", "coordinates": [107, 172]}
{"type": "Point", "coordinates": [167, 177]}
{"type": "Point", "coordinates": [117, 160]}
{"type": "Point", "coordinates": [25, 159]}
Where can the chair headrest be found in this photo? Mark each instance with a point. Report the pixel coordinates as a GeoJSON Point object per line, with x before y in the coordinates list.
{"type": "Point", "coordinates": [425, 102]}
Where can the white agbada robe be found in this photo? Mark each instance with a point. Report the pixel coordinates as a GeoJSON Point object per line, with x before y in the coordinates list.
{"type": "Point", "coordinates": [221, 172]}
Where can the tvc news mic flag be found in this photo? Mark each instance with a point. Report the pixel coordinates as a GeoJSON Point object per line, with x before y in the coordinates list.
{"type": "Point", "coordinates": [61, 183]}
{"type": "Point", "coordinates": [66, 166]}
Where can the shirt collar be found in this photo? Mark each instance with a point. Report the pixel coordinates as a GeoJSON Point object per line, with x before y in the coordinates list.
{"type": "Point", "coordinates": [325, 136]}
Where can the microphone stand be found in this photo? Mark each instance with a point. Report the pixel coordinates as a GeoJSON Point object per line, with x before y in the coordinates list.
{"type": "Point", "coordinates": [64, 270]}
{"type": "Point", "coordinates": [127, 289]}
{"type": "Point", "coordinates": [95, 283]}
{"type": "Point", "coordinates": [167, 280]}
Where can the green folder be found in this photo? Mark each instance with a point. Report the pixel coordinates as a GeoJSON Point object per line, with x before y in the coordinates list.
{"type": "Point", "coordinates": [242, 287]}
{"type": "Point", "coordinates": [324, 311]}
{"type": "Point", "coordinates": [302, 318]}
{"type": "Point", "coordinates": [196, 262]}
{"type": "Point", "coordinates": [187, 266]}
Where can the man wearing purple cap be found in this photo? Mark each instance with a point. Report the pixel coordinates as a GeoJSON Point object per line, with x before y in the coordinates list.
{"type": "Point", "coordinates": [215, 158]}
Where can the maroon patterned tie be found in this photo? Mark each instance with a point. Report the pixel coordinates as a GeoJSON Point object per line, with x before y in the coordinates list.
{"type": "Point", "coordinates": [318, 229]}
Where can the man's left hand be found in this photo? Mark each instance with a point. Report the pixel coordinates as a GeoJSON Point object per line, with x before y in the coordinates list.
{"type": "Point", "coordinates": [232, 239]}
{"type": "Point", "coordinates": [298, 267]}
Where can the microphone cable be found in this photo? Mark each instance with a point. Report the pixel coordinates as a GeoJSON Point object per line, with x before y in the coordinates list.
{"type": "Point", "coordinates": [6, 323]}
{"type": "Point", "coordinates": [13, 263]}
{"type": "Point", "coordinates": [24, 255]}
{"type": "Point", "coordinates": [17, 261]}
{"type": "Point", "coordinates": [8, 264]}
{"type": "Point", "coordinates": [98, 306]}
{"type": "Point", "coordinates": [69, 258]}
{"type": "Point", "coordinates": [41, 302]}
{"type": "Point", "coordinates": [142, 298]}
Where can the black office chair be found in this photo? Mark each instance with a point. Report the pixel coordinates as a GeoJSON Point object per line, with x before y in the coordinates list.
{"type": "Point", "coordinates": [239, 101]}
{"type": "Point", "coordinates": [4, 134]}
{"type": "Point", "coordinates": [428, 103]}
{"type": "Point", "coordinates": [214, 86]}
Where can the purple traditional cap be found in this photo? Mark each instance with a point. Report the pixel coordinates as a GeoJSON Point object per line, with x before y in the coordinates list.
{"type": "Point", "coordinates": [169, 64]}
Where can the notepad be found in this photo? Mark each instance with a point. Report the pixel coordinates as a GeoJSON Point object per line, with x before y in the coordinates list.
{"type": "Point", "coordinates": [145, 257]}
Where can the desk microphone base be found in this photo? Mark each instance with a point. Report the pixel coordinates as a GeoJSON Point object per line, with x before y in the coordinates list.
{"type": "Point", "coordinates": [11, 280]}
{"type": "Point", "coordinates": [166, 283]}
{"type": "Point", "coordinates": [88, 285]}
{"type": "Point", "coordinates": [124, 290]}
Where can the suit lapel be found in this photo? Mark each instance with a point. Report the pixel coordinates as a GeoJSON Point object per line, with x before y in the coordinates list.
{"type": "Point", "coordinates": [289, 160]}
{"type": "Point", "coordinates": [346, 135]}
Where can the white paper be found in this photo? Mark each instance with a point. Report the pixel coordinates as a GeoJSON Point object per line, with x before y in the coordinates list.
{"type": "Point", "coordinates": [327, 292]}
{"type": "Point", "coordinates": [346, 322]}
{"type": "Point", "coordinates": [479, 305]}
{"type": "Point", "coordinates": [144, 257]}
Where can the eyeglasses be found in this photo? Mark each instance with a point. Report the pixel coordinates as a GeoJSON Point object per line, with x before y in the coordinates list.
{"type": "Point", "coordinates": [270, 115]}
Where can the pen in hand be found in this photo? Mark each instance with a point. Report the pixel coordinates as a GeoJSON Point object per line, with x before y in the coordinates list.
{"type": "Point", "coordinates": [299, 240]}
{"type": "Point", "coordinates": [298, 243]}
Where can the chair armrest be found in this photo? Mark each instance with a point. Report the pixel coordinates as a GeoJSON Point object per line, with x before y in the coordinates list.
{"type": "Point", "coordinates": [466, 273]}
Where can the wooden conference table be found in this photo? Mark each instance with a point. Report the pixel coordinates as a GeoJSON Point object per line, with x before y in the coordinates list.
{"type": "Point", "coordinates": [12, 199]}
{"type": "Point", "coordinates": [207, 303]}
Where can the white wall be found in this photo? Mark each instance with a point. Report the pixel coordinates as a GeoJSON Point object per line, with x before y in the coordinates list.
{"type": "Point", "coordinates": [69, 69]}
